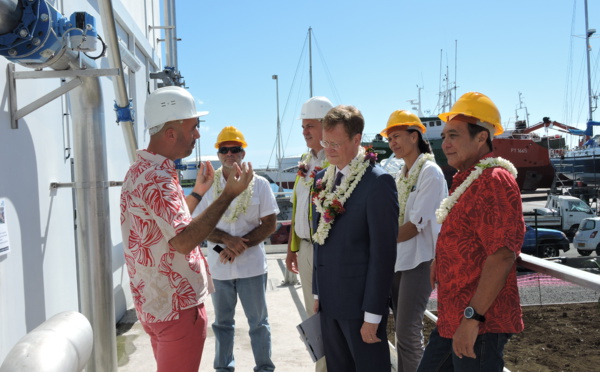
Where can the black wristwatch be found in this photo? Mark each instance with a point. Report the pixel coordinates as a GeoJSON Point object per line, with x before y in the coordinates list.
{"type": "Point", "coordinates": [470, 313]}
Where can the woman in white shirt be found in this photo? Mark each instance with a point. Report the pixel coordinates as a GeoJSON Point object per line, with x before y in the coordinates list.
{"type": "Point", "coordinates": [421, 189]}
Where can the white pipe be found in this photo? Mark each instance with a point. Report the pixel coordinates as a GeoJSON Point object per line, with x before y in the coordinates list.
{"type": "Point", "coordinates": [94, 245]}
{"type": "Point", "coordinates": [62, 343]}
{"type": "Point", "coordinates": [114, 58]}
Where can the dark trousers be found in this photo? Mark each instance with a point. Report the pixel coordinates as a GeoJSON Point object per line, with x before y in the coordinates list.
{"type": "Point", "coordinates": [489, 352]}
{"type": "Point", "coordinates": [345, 350]}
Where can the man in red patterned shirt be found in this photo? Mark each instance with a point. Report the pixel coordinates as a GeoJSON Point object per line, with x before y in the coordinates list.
{"type": "Point", "coordinates": [168, 274]}
{"type": "Point", "coordinates": [481, 236]}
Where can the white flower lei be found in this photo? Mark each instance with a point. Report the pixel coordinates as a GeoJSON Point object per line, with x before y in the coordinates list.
{"type": "Point", "coordinates": [358, 167]}
{"type": "Point", "coordinates": [442, 212]}
{"type": "Point", "coordinates": [406, 184]}
{"type": "Point", "coordinates": [241, 201]}
{"type": "Point", "coordinates": [311, 178]}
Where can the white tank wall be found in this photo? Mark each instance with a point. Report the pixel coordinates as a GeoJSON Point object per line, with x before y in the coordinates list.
{"type": "Point", "coordinates": [38, 277]}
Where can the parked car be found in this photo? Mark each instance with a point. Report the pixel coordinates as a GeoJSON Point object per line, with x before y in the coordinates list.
{"type": "Point", "coordinates": [281, 234]}
{"type": "Point", "coordinates": [549, 242]}
{"type": "Point", "coordinates": [586, 238]}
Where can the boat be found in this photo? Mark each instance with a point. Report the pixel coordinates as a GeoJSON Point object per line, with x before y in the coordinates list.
{"type": "Point", "coordinates": [525, 150]}
{"type": "Point", "coordinates": [582, 163]}
{"type": "Point", "coordinates": [285, 174]}
{"type": "Point", "coordinates": [528, 152]}
{"type": "Point", "coordinates": [188, 169]}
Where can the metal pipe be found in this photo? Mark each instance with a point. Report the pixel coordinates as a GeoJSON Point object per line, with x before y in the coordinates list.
{"type": "Point", "coordinates": [170, 34]}
{"type": "Point", "coordinates": [62, 343]}
{"type": "Point", "coordinates": [114, 60]}
{"type": "Point", "coordinates": [10, 15]}
{"type": "Point", "coordinates": [93, 224]}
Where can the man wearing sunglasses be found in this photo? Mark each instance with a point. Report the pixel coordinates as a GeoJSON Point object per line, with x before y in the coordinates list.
{"type": "Point", "coordinates": [236, 256]}
{"type": "Point", "coordinates": [168, 275]}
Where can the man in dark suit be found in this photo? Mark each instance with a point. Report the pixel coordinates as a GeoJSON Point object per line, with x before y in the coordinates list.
{"type": "Point", "coordinates": [355, 230]}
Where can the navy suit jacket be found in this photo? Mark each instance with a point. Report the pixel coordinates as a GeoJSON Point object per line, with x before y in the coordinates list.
{"type": "Point", "coordinates": [353, 270]}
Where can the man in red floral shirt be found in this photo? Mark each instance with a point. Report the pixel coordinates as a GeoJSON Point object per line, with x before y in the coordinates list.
{"type": "Point", "coordinates": [168, 274]}
{"type": "Point", "coordinates": [481, 236]}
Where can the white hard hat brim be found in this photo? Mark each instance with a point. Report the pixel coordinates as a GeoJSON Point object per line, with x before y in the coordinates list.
{"type": "Point", "coordinates": [200, 113]}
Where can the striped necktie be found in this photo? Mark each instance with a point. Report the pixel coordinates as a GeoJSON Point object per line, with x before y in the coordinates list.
{"type": "Point", "coordinates": [338, 180]}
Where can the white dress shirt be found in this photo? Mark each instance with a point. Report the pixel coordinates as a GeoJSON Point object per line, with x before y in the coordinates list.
{"type": "Point", "coordinates": [253, 261]}
{"type": "Point", "coordinates": [303, 200]}
{"type": "Point", "coordinates": [430, 190]}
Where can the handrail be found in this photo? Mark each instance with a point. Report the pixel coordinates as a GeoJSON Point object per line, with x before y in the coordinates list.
{"type": "Point", "coordinates": [566, 273]}
{"type": "Point", "coordinates": [560, 271]}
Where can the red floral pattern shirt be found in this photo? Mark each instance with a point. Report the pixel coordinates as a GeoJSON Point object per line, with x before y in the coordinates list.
{"type": "Point", "coordinates": [486, 217]}
{"type": "Point", "coordinates": [153, 211]}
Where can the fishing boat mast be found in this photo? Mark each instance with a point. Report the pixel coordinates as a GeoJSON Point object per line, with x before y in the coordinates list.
{"type": "Point", "coordinates": [588, 32]}
{"type": "Point", "coordinates": [310, 62]}
{"type": "Point", "coordinates": [279, 145]}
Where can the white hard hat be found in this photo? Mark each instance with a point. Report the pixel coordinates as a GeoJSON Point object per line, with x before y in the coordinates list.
{"type": "Point", "coordinates": [315, 108]}
{"type": "Point", "coordinates": [169, 103]}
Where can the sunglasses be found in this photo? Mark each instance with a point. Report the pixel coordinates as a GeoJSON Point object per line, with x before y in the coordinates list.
{"type": "Point", "coordinates": [233, 150]}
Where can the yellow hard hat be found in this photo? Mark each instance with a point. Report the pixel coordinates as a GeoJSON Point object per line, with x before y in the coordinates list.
{"type": "Point", "coordinates": [403, 118]}
{"type": "Point", "coordinates": [478, 106]}
{"type": "Point", "coordinates": [230, 134]}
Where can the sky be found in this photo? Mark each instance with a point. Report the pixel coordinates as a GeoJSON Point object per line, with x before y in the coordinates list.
{"type": "Point", "coordinates": [374, 55]}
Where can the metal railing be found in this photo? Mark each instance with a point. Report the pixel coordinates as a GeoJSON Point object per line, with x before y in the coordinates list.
{"type": "Point", "coordinates": [556, 270]}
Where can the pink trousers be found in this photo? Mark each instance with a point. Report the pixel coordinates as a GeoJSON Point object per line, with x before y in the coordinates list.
{"type": "Point", "coordinates": [178, 344]}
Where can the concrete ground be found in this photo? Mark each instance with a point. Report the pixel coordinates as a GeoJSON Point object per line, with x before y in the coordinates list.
{"type": "Point", "coordinates": [286, 310]}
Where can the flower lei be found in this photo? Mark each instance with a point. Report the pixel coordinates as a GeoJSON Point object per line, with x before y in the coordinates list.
{"type": "Point", "coordinates": [241, 201]}
{"type": "Point", "coordinates": [406, 184]}
{"type": "Point", "coordinates": [331, 204]}
{"type": "Point", "coordinates": [303, 171]}
{"type": "Point", "coordinates": [442, 212]}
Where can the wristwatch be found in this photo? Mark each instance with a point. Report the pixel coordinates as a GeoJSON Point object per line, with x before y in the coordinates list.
{"type": "Point", "coordinates": [470, 313]}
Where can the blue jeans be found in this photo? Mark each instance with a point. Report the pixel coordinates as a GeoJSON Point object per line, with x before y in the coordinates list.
{"type": "Point", "coordinates": [489, 351]}
{"type": "Point", "coordinates": [251, 292]}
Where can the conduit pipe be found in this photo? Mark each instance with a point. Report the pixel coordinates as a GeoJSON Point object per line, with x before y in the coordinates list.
{"type": "Point", "coordinates": [62, 343]}
{"type": "Point", "coordinates": [169, 18]}
{"type": "Point", "coordinates": [114, 60]}
{"type": "Point", "coordinates": [94, 244]}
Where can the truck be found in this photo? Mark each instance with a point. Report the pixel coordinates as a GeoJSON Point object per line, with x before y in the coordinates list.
{"type": "Point", "coordinates": [562, 212]}
{"type": "Point", "coordinates": [544, 243]}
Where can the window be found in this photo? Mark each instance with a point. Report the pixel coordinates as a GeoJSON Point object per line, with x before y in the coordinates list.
{"type": "Point", "coordinates": [579, 206]}
{"type": "Point", "coordinates": [588, 225]}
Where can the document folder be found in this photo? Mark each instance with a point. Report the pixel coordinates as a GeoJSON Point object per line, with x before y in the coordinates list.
{"type": "Point", "coordinates": [310, 333]}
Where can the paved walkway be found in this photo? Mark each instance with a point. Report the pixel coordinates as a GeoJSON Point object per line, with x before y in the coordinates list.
{"type": "Point", "coordinates": [286, 310]}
